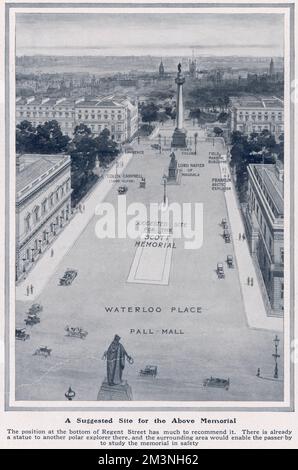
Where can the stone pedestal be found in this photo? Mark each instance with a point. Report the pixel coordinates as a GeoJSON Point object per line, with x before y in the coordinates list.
{"type": "Point", "coordinates": [179, 139]}
{"type": "Point", "coordinates": [121, 392]}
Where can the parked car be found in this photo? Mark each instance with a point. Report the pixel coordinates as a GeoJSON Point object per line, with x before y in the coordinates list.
{"type": "Point", "coordinates": [122, 189]}
{"type": "Point", "coordinates": [21, 334]}
{"type": "Point", "coordinates": [149, 370]}
{"type": "Point", "coordinates": [220, 271]}
{"type": "Point", "coordinates": [68, 277]}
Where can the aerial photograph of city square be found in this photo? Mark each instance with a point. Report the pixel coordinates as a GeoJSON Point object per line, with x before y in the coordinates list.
{"type": "Point", "coordinates": [149, 207]}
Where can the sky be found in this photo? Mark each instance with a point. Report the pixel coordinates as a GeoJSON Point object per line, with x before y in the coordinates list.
{"type": "Point", "coordinates": [146, 33]}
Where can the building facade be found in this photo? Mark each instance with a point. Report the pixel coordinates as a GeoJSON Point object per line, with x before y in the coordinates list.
{"type": "Point", "coordinates": [119, 115]}
{"type": "Point", "coordinates": [264, 216]}
{"type": "Point", "coordinates": [43, 205]}
{"type": "Point", "coordinates": [255, 114]}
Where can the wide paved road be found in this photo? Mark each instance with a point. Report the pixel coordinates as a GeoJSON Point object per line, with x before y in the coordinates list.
{"type": "Point", "coordinates": [214, 342]}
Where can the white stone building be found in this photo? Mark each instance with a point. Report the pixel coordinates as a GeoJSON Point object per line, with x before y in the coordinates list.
{"type": "Point", "coordinates": [255, 114]}
{"type": "Point", "coordinates": [43, 205]}
{"type": "Point", "coordinates": [118, 114]}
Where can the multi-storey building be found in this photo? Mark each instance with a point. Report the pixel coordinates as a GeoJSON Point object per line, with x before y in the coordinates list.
{"type": "Point", "coordinates": [118, 115]}
{"type": "Point", "coordinates": [38, 110]}
{"type": "Point", "coordinates": [255, 114]}
{"type": "Point", "coordinates": [264, 217]}
{"type": "Point", "coordinates": [43, 205]}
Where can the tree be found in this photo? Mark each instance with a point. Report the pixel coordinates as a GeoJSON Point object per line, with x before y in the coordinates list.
{"type": "Point", "coordinates": [218, 131]}
{"type": "Point", "coordinates": [25, 137]}
{"type": "Point", "coordinates": [49, 138]}
{"type": "Point", "coordinates": [222, 117]}
{"type": "Point", "coordinates": [149, 112]}
{"type": "Point", "coordinates": [45, 138]}
{"type": "Point", "coordinates": [107, 149]}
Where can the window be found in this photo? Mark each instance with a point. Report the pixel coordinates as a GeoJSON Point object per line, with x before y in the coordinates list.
{"type": "Point", "coordinates": [27, 223]}
{"type": "Point", "coordinates": [44, 206]}
{"type": "Point", "coordinates": [282, 255]}
{"type": "Point", "coordinates": [36, 214]}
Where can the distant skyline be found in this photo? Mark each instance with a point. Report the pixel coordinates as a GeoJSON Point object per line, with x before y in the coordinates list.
{"type": "Point", "coordinates": [149, 34]}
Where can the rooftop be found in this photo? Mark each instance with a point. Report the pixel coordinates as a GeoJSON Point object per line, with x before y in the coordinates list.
{"type": "Point", "coordinates": [263, 102]}
{"type": "Point", "coordinates": [272, 186]}
{"type": "Point", "coordinates": [34, 166]}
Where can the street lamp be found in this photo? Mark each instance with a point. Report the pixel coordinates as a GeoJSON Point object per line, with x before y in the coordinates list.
{"type": "Point", "coordinates": [164, 190]}
{"type": "Point", "coordinates": [196, 141]}
{"type": "Point", "coordinates": [276, 356]}
{"type": "Point", "coordinates": [70, 394]}
{"type": "Point", "coordinates": [159, 142]}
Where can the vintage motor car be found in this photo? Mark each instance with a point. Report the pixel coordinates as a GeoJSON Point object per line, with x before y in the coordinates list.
{"type": "Point", "coordinates": [76, 332]}
{"type": "Point", "coordinates": [32, 320]}
{"type": "Point", "coordinates": [149, 371]}
{"type": "Point", "coordinates": [143, 183]}
{"type": "Point", "coordinates": [21, 334]}
{"type": "Point", "coordinates": [216, 382]}
{"type": "Point", "coordinates": [68, 277]}
{"type": "Point", "coordinates": [122, 189]}
{"type": "Point", "coordinates": [220, 271]}
{"type": "Point", "coordinates": [230, 262]}
{"type": "Point", "coordinates": [42, 351]}
{"type": "Point", "coordinates": [35, 308]}
{"type": "Point", "coordinates": [224, 223]}
{"type": "Point", "coordinates": [227, 237]}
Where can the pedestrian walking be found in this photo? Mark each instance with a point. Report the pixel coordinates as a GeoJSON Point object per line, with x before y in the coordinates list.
{"type": "Point", "coordinates": [243, 236]}
{"type": "Point", "coordinates": [52, 253]}
{"type": "Point", "coordinates": [31, 289]}
{"type": "Point", "coordinates": [248, 281]}
{"type": "Point", "coordinates": [251, 281]}
{"type": "Point", "coordinates": [28, 290]}
{"type": "Point", "coordinates": [258, 372]}
{"type": "Point", "coordinates": [239, 236]}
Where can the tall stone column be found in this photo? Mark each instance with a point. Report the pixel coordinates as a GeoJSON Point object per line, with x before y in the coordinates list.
{"type": "Point", "coordinates": [179, 136]}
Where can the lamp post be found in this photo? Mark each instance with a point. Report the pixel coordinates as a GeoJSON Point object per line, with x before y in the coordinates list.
{"type": "Point", "coordinates": [159, 142]}
{"type": "Point", "coordinates": [196, 141]}
{"type": "Point", "coordinates": [164, 190]}
{"type": "Point", "coordinates": [70, 394]}
{"type": "Point", "coordinates": [276, 356]}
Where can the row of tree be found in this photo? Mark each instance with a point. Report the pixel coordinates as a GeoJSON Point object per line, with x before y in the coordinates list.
{"type": "Point", "coordinates": [255, 148]}
{"type": "Point", "coordinates": [83, 148]}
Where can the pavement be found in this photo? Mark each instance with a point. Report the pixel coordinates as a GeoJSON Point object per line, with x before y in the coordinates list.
{"type": "Point", "coordinates": [252, 295]}
{"type": "Point", "coordinates": [47, 264]}
{"type": "Point", "coordinates": [192, 328]}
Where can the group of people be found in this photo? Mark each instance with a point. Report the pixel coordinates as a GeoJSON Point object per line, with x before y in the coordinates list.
{"type": "Point", "coordinates": [242, 236]}
{"type": "Point", "coordinates": [30, 290]}
{"type": "Point", "coordinates": [250, 281]}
